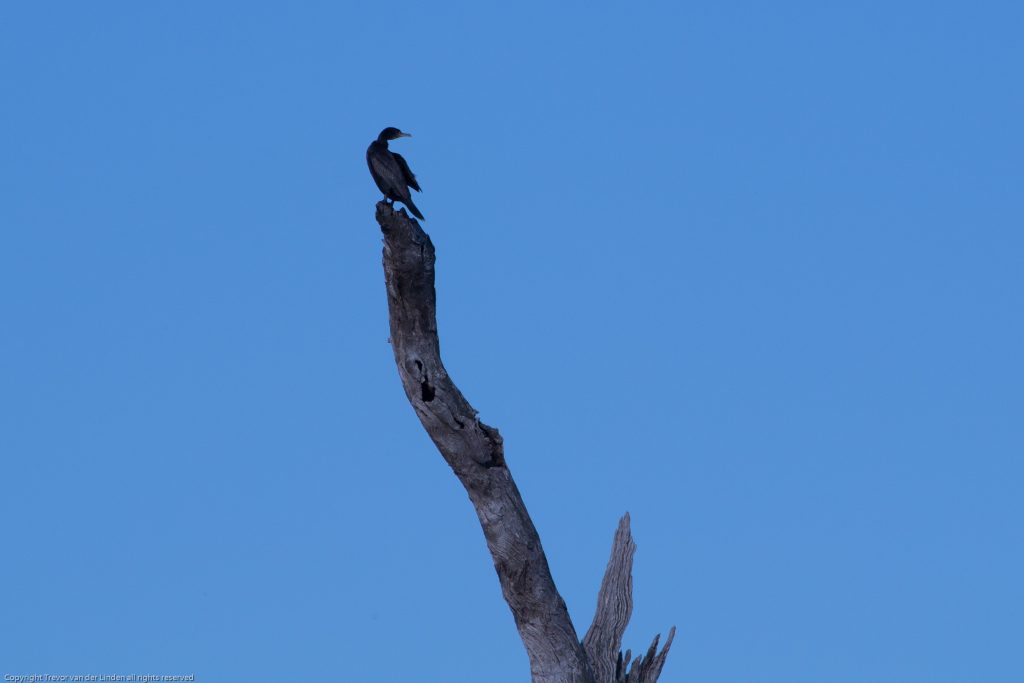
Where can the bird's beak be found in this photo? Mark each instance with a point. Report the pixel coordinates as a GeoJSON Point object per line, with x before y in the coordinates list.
{"type": "Point", "coordinates": [405, 135]}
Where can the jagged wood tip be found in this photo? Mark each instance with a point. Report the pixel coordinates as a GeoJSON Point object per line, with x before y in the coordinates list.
{"type": "Point", "coordinates": [603, 642]}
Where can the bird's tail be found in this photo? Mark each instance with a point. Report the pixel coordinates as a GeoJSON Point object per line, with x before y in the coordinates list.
{"type": "Point", "coordinates": [412, 207]}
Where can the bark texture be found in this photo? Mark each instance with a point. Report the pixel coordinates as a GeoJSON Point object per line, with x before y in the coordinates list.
{"type": "Point", "coordinates": [475, 453]}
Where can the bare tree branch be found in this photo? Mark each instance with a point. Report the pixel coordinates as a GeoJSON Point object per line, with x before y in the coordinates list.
{"type": "Point", "coordinates": [603, 641]}
{"type": "Point", "coordinates": [647, 669]}
{"type": "Point", "coordinates": [475, 453]}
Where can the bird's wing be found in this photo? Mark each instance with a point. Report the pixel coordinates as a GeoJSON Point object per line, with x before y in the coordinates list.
{"type": "Point", "coordinates": [410, 179]}
{"type": "Point", "coordinates": [388, 173]}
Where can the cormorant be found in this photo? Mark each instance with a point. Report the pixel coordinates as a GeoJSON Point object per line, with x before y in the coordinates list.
{"type": "Point", "coordinates": [390, 171]}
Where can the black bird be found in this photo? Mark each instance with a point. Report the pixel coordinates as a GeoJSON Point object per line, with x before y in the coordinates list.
{"type": "Point", "coordinates": [391, 172]}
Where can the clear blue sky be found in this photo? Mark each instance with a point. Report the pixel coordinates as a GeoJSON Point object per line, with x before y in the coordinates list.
{"type": "Point", "coordinates": [751, 271]}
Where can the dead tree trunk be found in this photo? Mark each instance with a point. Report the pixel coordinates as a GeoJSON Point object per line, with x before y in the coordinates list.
{"type": "Point", "coordinates": [475, 453]}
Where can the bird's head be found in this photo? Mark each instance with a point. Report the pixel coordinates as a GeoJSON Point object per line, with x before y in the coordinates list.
{"type": "Point", "coordinates": [392, 133]}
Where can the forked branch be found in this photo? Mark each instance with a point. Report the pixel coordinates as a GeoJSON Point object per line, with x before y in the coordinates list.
{"type": "Point", "coordinates": [475, 453]}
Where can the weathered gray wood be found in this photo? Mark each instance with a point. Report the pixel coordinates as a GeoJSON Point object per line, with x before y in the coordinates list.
{"type": "Point", "coordinates": [475, 453]}
{"type": "Point", "coordinates": [647, 669]}
{"type": "Point", "coordinates": [603, 641]}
